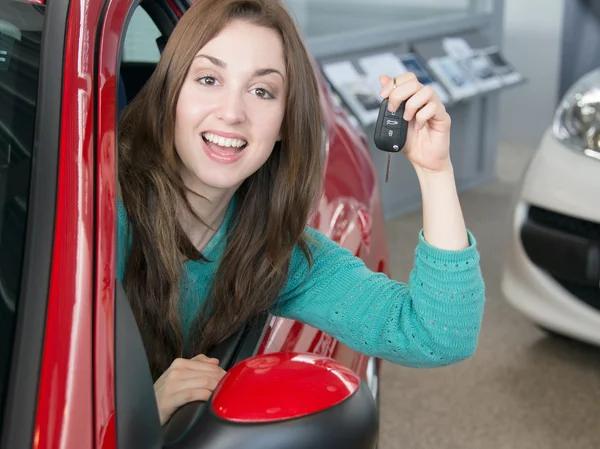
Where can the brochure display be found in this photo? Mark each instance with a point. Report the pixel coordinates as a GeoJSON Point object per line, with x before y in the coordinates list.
{"type": "Point", "coordinates": [502, 69]}
{"type": "Point", "coordinates": [460, 59]}
{"type": "Point", "coordinates": [355, 90]}
{"type": "Point", "coordinates": [451, 66]}
{"type": "Point", "coordinates": [357, 82]}
{"type": "Point", "coordinates": [459, 82]}
{"type": "Point", "coordinates": [467, 72]}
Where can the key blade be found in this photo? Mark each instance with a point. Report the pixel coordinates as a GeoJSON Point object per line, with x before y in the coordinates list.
{"type": "Point", "coordinates": [387, 171]}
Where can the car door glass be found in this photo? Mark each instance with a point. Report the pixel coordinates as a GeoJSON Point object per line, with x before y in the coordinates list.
{"type": "Point", "coordinates": [140, 41]}
{"type": "Point", "coordinates": [141, 53]}
{"type": "Point", "coordinates": [20, 46]}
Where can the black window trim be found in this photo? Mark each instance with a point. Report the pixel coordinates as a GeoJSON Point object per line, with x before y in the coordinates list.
{"type": "Point", "coordinates": [18, 425]}
{"type": "Point", "coordinates": [139, 425]}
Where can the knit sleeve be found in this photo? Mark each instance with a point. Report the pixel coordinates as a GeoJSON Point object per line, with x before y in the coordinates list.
{"type": "Point", "coordinates": [122, 245]}
{"type": "Point", "coordinates": [434, 320]}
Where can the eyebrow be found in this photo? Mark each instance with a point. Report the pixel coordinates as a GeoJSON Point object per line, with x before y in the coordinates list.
{"type": "Point", "coordinates": [222, 64]}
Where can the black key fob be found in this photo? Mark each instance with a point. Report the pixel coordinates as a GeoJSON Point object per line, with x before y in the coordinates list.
{"type": "Point", "coordinates": [391, 128]}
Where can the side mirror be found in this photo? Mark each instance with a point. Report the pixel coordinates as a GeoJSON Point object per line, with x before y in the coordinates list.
{"type": "Point", "coordinates": [286, 400]}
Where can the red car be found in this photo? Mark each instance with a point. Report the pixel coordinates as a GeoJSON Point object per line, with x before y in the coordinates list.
{"type": "Point", "coordinates": [73, 372]}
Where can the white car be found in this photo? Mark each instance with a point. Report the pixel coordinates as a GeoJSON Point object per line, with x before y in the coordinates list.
{"type": "Point", "coordinates": [552, 268]}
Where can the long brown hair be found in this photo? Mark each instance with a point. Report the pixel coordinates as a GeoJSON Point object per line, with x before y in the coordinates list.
{"type": "Point", "coordinates": [272, 206]}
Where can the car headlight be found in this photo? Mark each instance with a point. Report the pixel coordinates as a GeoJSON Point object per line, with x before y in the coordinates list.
{"type": "Point", "coordinates": [577, 118]}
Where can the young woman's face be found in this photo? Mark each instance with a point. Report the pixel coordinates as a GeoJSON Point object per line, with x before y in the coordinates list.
{"type": "Point", "coordinates": [231, 107]}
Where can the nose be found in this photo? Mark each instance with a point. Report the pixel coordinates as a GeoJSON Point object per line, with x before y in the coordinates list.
{"type": "Point", "coordinates": [232, 108]}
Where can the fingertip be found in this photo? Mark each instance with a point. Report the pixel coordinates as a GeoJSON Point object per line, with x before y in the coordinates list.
{"type": "Point", "coordinates": [205, 358]}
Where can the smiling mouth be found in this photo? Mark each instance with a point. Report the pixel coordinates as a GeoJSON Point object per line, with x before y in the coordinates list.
{"type": "Point", "coordinates": [223, 145]}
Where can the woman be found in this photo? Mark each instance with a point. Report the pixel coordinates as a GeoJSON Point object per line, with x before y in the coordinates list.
{"type": "Point", "coordinates": [220, 166]}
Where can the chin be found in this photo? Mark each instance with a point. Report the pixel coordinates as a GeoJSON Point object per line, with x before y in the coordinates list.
{"type": "Point", "coordinates": [219, 181]}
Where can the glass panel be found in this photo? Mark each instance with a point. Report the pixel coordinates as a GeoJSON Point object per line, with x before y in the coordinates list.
{"type": "Point", "coordinates": [321, 18]}
{"type": "Point", "coordinates": [20, 46]}
{"type": "Point", "coordinates": [140, 41]}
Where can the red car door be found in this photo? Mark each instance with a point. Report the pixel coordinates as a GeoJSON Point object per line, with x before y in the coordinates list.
{"type": "Point", "coordinates": [49, 220]}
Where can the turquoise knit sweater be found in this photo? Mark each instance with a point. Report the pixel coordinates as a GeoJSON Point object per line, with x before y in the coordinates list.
{"type": "Point", "coordinates": [434, 320]}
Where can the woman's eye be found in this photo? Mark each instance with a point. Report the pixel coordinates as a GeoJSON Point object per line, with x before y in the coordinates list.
{"type": "Point", "coordinates": [263, 93]}
{"type": "Point", "coordinates": [207, 80]}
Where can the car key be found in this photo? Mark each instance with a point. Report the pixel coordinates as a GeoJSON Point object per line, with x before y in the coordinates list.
{"type": "Point", "coordinates": [390, 131]}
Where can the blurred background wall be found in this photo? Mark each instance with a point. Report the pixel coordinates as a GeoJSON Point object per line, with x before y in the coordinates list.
{"type": "Point", "coordinates": [532, 41]}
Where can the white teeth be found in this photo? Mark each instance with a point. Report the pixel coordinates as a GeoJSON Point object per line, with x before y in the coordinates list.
{"type": "Point", "coordinates": [224, 142]}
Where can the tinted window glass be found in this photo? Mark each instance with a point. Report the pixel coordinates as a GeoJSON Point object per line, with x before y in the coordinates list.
{"type": "Point", "coordinates": [20, 42]}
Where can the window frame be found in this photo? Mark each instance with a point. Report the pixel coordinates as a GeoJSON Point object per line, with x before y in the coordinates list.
{"type": "Point", "coordinates": [18, 425]}
{"type": "Point", "coordinates": [113, 23]}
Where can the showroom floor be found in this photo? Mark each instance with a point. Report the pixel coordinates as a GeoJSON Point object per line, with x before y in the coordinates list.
{"type": "Point", "coordinates": [522, 389]}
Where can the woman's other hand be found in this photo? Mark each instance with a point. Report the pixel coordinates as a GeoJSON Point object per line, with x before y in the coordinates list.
{"type": "Point", "coordinates": [186, 381]}
{"type": "Point", "coordinates": [428, 140]}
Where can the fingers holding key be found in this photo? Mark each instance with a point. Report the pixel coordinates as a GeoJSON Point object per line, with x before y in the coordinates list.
{"type": "Point", "coordinates": [424, 97]}
{"type": "Point", "coordinates": [406, 85]}
{"type": "Point", "coordinates": [422, 102]}
{"type": "Point", "coordinates": [431, 112]}
{"type": "Point", "coordinates": [425, 114]}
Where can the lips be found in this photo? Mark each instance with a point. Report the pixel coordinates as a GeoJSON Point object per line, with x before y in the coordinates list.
{"type": "Point", "coordinates": [223, 148]}
{"type": "Point", "coordinates": [225, 151]}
